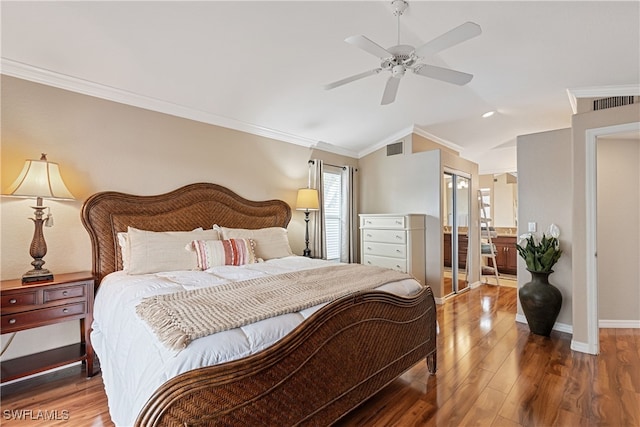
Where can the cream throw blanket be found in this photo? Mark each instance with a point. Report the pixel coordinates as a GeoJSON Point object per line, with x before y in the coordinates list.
{"type": "Point", "coordinates": [179, 318]}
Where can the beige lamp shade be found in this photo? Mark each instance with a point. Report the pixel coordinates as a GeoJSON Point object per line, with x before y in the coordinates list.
{"type": "Point", "coordinates": [40, 178]}
{"type": "Point", "coordinates": [307, 199]}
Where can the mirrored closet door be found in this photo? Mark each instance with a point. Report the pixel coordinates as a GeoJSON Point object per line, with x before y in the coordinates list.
{"type": "Point", "coordinates": [456, 194]}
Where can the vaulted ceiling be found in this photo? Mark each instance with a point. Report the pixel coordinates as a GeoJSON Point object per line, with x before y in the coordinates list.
{"type": "Point", "coordinates": [262, 66]}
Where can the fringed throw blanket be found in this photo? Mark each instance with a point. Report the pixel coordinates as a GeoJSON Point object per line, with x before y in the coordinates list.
{"type": "Point", "coordinates": [179, 318]}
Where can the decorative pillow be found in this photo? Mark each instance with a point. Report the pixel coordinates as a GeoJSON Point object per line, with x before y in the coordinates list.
{"type": "Point", "coordinates": [123, 242]}
{"type": "Point", "coordinates": [152, 251]}
{"type": "Point", "coordinates": [271, 242]}
{"type": "Point", "coordinates": [211, 253]}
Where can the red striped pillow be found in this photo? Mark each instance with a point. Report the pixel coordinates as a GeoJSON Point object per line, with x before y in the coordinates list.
{"type": "Point", "coordinates": [211, 253]}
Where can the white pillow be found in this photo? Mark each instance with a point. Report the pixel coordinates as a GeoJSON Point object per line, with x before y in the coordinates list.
{"type": "Point", "coordinates": [271, 242]}
{"type": "Point", "coordinates": [153, 251]}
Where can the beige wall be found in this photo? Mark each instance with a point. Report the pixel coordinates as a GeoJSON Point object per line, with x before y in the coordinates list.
{"type": "Point", "coordinates": [102, 145]}
{"type": "Point", "coordinates": [412, 183]}
{"type": "Point", "coordinates": [544, 189]}
{"type": "Point", "coordinates": [580, 124]}
{"type": "Point", "coordinates": [618, 233]}
{"type": "Point", "coordinates": [552, 185]}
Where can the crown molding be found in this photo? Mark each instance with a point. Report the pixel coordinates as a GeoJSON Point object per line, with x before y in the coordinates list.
{"type": "Point", "coordinates": [423, 133]}
{"type": "Point", "coordinates": [408, 131]}
{"type": "Point", "coordinates": [61, 81]}
{"type": "Point", "coordinates": [388, 140]}
{"type": "Point", "coordinates": [600, 92]}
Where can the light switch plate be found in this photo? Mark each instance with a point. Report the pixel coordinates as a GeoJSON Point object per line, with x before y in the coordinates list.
{"type": "Point", "coordinates": [532, 227]}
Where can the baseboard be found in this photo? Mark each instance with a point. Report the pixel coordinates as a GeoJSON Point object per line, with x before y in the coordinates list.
{"type": "Point", "coordinates": [582, 347]}
{"type": "Point", "coordinates": [619, 324]}
{"type": "Point", "coordinates": [476, 284]}
{"type": "Point", "coordinates": [560, 327]}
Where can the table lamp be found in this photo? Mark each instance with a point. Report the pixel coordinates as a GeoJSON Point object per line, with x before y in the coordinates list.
{"type": "Point", "coordinates": [39, 179]}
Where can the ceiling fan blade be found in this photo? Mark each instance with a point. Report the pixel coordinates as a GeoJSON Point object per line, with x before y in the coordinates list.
{"type": "Point", "coordinates": [352, 78]}
{"type": "Point", "coordinates": [390, 91]}
{"type": "Point", "coordinates": [369, 46]}
{"type": "Point", "coordinates": [457, 35]}
{"type": "Point", "coordinates": [444, 74]}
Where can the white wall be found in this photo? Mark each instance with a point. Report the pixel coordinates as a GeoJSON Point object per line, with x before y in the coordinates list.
{"type": "Point", "coordinates": [412, 183]}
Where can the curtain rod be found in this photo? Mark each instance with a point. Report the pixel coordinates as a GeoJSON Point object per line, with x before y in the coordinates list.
{"type": "Point", "coordinates": [313, 162]}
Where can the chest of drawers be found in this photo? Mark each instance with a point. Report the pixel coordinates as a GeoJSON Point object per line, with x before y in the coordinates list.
{"type": "Point", "coordinates": [24, 306]}
{"type": "Point", "coordinates": [394, 241]}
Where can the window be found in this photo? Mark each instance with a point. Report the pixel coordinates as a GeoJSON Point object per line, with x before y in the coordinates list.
{"type": "Point", "coordinates": [332, 195]}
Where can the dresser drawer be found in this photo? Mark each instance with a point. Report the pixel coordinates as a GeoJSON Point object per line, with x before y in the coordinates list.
{"type": "Point", "coordinates": [56, 294]}
{"type": "Point", "coordinates": [385, 249]}
{"type": "Point", "coordinates": [21, 300]}
{"type": "Point", "coordinates": [384, 236]}
{"type": "Point", "coordinates": [397, 264]}
{"type": "Point", "coordinates": [383, 222]}
{"type": "Point", "coordinates": [34, 318]}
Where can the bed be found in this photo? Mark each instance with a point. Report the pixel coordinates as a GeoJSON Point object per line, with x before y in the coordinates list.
{"type": "Point", "coordinates": [321, 362]}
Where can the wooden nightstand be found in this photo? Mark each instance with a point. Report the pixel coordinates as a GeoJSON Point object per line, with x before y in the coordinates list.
{"type": "Point", "coordinates": [30, 305]}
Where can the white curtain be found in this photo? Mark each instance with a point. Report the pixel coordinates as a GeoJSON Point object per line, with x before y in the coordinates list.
{"type": "Point", "coordinates": [318, 244]}
{"type": "Point", "coordinates": [350, 244]}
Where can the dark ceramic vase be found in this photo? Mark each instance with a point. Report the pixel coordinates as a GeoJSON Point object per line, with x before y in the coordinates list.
{"type": "Point", "coordinates": [541, 303]}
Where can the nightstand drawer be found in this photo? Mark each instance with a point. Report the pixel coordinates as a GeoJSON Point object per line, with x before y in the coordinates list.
{"type": "Point", "coordinates": [45, 316]}
{"type": "Point", "coordinates": [63, 293]}
{"type": "Point", "coordinates": [385, 236]}
{"type": "Point", "coordinates": [21, 300]}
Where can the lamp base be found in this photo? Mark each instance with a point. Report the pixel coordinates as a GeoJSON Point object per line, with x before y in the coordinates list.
{"type": "Point", "coordinates": [34, 276]}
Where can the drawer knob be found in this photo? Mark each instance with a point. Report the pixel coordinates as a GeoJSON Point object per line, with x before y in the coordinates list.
{"type": "Point", "coordinates": [12, 321]}
{"type": "Point", "coordinates": [13, 301]}
{"type": "Point", "coordinates": [65, 293]}
{"type": "Point", "coordinates": [398, 236]}
{"type": "Point", "coordinates": [398, 222]}
{"type": "Point", "coordinates": [369, 247]}
{"type": "Point", "coordinates": [368, 262]}
{"type": "Point", "coordinates": [65, 310]}
{"type": "Point", "coordinates": [399, 251]}
{"type": "Point", "coordinates": [397, 266]}
{"type": "Point", "coordinates": [368, 235]}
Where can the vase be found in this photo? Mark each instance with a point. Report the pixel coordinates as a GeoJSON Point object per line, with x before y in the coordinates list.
{"type": "Point", "coordinates": [541, 302]}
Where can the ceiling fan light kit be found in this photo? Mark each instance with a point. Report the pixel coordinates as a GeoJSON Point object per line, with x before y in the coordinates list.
{"type": "Point", "coordinates": [400, 58]}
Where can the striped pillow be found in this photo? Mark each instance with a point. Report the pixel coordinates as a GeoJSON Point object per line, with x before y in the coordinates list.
{"type": "Point", "coordinates": [211, 253]}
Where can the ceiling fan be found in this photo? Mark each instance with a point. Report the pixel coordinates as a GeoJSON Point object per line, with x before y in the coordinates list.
{"type": "Point", "coordinates": [400, 58]}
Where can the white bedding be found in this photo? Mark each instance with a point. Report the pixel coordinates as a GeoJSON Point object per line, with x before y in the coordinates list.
{"type": "Point", "coordinates": [134, 363]}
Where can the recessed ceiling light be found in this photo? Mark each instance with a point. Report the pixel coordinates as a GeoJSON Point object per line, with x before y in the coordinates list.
{"type": "Point", "coordinates": [488, 114]}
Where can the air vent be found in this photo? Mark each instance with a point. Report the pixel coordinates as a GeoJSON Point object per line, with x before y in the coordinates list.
{"type": "Point", "coordinates": [613, 101]}
{"type": "Point", "coordinates": [395, 148]}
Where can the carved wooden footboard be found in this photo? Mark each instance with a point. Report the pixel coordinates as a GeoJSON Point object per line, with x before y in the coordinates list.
{"type": "Point", "coordinates": [332, 362]}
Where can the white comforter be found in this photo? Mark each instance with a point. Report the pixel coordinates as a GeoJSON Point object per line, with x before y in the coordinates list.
{"type": "Point", "coordinates": [134, 363]}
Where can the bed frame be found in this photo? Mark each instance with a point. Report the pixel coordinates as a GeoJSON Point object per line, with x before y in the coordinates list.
{"type": "Point", "coordinates": [335, 360]}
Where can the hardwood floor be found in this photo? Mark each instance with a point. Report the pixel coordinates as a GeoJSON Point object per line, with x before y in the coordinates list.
{"type": "Point", "coordinates": [491, 372]}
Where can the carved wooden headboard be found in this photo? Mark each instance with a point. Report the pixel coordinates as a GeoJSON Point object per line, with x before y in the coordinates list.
{"type": "Point", "coordinates": [106, 214]}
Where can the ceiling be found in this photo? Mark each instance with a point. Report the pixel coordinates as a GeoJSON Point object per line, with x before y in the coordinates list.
{"type": "Point", "coordinates": [261, 66]}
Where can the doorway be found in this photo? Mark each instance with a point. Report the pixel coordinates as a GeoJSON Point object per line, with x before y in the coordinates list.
{"type": "Point", "coordinates": [456, 193]}
{"type": "Point", "coordinates": [591, 260]}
